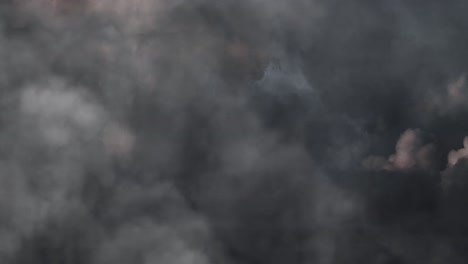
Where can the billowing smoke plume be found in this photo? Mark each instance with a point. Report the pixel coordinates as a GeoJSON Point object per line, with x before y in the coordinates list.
{"type": "Point", "coordinates": [239, 132]}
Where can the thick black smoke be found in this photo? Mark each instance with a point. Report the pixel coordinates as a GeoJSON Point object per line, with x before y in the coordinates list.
{"type": "Point", "coordinates": [239, 132]}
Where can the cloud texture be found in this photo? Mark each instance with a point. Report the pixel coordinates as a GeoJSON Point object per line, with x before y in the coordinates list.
{"type": "Point", "coordinates": [238, 132]}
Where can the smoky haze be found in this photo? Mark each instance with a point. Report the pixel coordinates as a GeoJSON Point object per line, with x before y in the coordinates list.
{"type": "Point", "coordinates": [238, 132]}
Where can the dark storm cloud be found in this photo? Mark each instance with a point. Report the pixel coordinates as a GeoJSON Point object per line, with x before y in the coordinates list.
{"type": "Point", "coordinates": [154, 131]}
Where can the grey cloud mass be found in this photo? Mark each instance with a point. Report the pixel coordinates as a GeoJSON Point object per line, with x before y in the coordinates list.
{"type": "Point", "coordinates": [237, 132]}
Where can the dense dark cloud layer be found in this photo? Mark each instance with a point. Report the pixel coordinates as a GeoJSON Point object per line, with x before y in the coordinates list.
{"type": "Point", "coordinates": [239, 132]}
